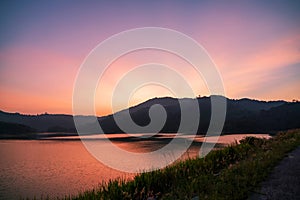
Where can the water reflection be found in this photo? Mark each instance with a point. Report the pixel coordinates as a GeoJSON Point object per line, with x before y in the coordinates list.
{"type": "Point", "coordinates": [58, 166]}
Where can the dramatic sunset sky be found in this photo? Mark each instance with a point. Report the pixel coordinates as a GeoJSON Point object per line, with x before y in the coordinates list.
{"type": "Point", "coordinates": [255, 44]}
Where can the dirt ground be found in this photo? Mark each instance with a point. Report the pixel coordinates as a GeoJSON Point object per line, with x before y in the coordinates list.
{"type": "Point", "coordinates": [284, 181]}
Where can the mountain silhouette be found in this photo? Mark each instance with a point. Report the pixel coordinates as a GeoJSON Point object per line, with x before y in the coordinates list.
{"type": "Point", "coordinates": [242, 116]}
{"type": "Point", "coordinates": [16, 131]}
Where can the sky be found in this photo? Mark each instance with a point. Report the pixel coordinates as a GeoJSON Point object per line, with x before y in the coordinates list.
{"type": "Point", "coordinates": [254, 44]}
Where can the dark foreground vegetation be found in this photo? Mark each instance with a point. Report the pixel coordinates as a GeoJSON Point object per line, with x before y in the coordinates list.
{"type": "Point", "coordinates": [231, 173]}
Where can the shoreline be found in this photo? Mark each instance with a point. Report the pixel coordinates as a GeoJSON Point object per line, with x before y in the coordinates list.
{"type": "Point", "coordinates": [232, 172]}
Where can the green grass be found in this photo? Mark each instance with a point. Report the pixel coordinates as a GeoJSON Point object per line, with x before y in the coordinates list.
{"type": "Point", "coordinates": [230, 173]}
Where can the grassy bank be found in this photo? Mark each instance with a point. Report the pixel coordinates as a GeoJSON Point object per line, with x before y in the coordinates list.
{"type": "Point", "coordinates": [230, 173]}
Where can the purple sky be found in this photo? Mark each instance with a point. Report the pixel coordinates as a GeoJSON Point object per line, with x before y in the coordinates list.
{"type": "Point", "coordinates": [255, 44]}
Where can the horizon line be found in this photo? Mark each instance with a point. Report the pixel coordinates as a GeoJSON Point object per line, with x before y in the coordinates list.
{"type": "Point", "coordinates": [198, 97]}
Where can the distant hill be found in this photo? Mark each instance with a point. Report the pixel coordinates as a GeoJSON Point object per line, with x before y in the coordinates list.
{"type": "Point", "coordinates": [242, 116]}
{"type": "Point", "coordinates": [16, 131]}
{"type": "Point", "coordinates": [280, 117]}
{"type": "Point", "coordinates": [41, 123]}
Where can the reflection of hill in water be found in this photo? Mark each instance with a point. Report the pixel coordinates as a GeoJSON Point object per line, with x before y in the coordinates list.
{"type": "Point", "coordinates": [148, 143]}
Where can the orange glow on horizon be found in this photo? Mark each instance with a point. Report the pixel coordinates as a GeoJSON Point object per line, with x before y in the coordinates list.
{"type": "Point", "coordinates": [255, 46]}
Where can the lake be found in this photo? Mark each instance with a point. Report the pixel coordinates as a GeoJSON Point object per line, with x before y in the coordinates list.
{"type": "Point", "coordinates": [61, 166]}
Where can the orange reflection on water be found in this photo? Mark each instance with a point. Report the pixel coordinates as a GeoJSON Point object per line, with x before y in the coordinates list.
{"type": "Point", "coordinates": [62, 166]}
{"type": "Point", "coordinates": [51, 168]}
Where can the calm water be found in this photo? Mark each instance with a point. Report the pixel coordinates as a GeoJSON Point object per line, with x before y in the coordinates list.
{"type": "Point", "coordinates": [63, 166]}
